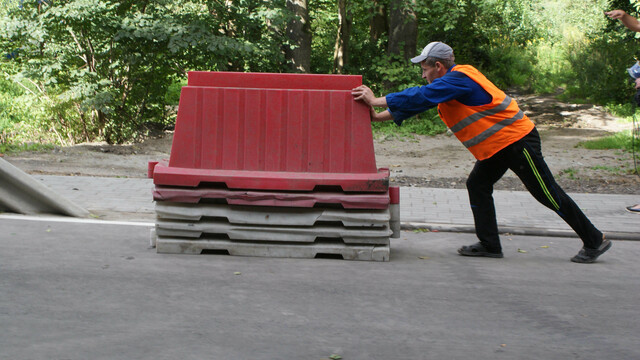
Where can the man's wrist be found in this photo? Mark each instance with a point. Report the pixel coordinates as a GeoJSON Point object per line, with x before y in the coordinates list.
{"type": "Point", "coordinates": [379, 102]}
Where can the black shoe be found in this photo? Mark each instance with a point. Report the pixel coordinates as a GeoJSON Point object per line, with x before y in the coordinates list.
{"type": "Point", "coordinates": [634, 208]}
{"type": "Point", "coordinates": [478, 250]}
{"type": "Point", "coordinates": [587, 256]}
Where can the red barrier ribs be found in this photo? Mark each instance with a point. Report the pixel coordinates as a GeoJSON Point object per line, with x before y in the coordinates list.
{"type": "Point", "coordinates": [294, 132]}
{"type": "Point", "coordinates": [269, 198]}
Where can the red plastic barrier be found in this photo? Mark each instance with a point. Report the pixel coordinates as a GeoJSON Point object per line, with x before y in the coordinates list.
{"type": "Point", "coordinates": [272, 132]}
{"type": "Point", "coordinates": [273, 81]}
{"type": "Point", "coordinates": [394, 195]}
{"type": "Point", "coordinates": [265, 198]}
{"type": "Point", "coordinates": [150, 167]}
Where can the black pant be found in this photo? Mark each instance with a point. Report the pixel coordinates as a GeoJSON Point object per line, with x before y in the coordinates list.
{"type": "Point", "coordinates": [524, 158]}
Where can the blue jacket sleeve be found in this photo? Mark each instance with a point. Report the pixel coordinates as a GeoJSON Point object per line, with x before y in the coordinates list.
{"type": "Point", "coordinates": [453, 85]}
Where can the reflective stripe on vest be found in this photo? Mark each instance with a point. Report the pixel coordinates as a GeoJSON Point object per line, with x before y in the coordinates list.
{"type": "Point", "coordinates": [477, 116]}
{"type": "Point", "coordinates": [472, 125]}
{"type": "Point", "coordinates": [492, 130]}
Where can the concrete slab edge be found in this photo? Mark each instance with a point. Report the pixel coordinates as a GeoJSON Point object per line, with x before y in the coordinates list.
{"type": "Point", "coordinates": [516, 230]}
{"type": "Point", "coordinates": [75, 220]}
{"type": "Point", "coordinates": [31, 196]}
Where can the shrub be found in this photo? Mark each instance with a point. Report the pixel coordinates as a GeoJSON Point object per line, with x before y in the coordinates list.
{"type": "Point", "coordinates": [598, 69]}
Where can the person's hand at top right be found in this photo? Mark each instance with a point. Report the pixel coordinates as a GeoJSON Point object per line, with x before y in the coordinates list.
{"type": "Point", "coordinates": [615, 14]}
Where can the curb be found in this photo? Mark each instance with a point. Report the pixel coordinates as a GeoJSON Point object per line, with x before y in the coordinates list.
{"type": "Point", "coordinates": [516, 230]}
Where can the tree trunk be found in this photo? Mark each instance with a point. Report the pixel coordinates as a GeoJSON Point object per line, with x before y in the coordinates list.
{"type": "Point", "coordinates": [340, 54]}
{"type": "Point", "coordinates": [403, 29]}
{"type": "Point", "coordinates": [378, 21]}
{"type": "Point", "coordinates": [298, 54]}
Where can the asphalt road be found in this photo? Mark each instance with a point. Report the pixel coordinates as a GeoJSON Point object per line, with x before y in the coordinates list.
{"type": "Point", "coordinates": [92, 290]}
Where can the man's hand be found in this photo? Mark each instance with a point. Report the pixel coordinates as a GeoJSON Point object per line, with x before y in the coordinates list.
{"type": "Point", "coordinates": [638, 83]}
{"type": "Point", "coordinates": [365, 94]}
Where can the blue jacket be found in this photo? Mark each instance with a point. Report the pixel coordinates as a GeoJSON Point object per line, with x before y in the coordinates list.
{"type": "Point", "coordinates": [453, 85]}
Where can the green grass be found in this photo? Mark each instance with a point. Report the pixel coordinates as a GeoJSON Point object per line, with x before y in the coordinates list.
{"type": "Point", "coordinates": [612, 169]}
{"type": "Point", "coordinates": [571, 173]}
{"type": "Point", "coordinates": [16, 148]}
{"type": "Point", "coordinates": [621, 140]}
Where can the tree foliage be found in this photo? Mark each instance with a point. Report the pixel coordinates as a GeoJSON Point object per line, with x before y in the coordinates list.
{"type": "Point", "coordinates": [103, 68]}
{"type": "Point", "coordinates": [83, 70]}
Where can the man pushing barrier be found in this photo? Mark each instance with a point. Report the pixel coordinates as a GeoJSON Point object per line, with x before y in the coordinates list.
{"type": "Point", "coordinates": [498, 134]}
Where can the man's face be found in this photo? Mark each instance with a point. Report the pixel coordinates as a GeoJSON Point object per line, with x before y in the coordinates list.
{"type": "Point", "coordinates": [430, 73]}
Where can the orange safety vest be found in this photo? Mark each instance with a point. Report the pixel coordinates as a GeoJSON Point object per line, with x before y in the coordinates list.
{"type": "Point", "coordinates": [485, 129]}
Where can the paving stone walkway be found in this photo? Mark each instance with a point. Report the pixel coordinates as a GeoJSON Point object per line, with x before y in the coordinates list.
{"type": "Point", "coordinates": [430, 208]}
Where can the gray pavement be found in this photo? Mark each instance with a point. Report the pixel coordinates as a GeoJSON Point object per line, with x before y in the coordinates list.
{"type": "Point", "coordinates": [72, 290]}
{"type": "Point", "coordinates": [93, 289]}
{"type": "Point", "coordinates": [430, 208]}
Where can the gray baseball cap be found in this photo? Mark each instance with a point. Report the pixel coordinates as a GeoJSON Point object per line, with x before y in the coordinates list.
{"type": "Point", "coordinates": [435, 49]}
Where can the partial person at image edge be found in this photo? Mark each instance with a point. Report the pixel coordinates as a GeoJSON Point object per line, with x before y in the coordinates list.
{"type": "Point", "coordinates": [634, 25]}
{"type": "Point", "coordinates": [499, 135]}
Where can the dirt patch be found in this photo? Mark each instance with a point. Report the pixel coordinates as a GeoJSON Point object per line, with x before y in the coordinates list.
{"type": "Point", "coordinates": [439, 161]}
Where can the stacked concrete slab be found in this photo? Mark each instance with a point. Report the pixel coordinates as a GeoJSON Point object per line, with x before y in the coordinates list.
{"type": "Point", "coordinates": [22, 194]}
{"type": "Point", "coordinates": [273, 165]}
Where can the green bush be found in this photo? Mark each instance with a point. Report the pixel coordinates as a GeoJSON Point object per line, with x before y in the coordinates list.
{"type": "Point", "coordinates": [172, 97]}
{"type": "Point", "coordinates": [427, 123]}
{"type": "Point", "coordinates": [625, 110]}
{"type": "Point", "coordinates": [550, 68]}
{"type": "Point", "coordinates": [598, 69]}
{"type": "Point", "coordinates": [22, 118]}
{"type": "Point", "coordinates": [510, 66]}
